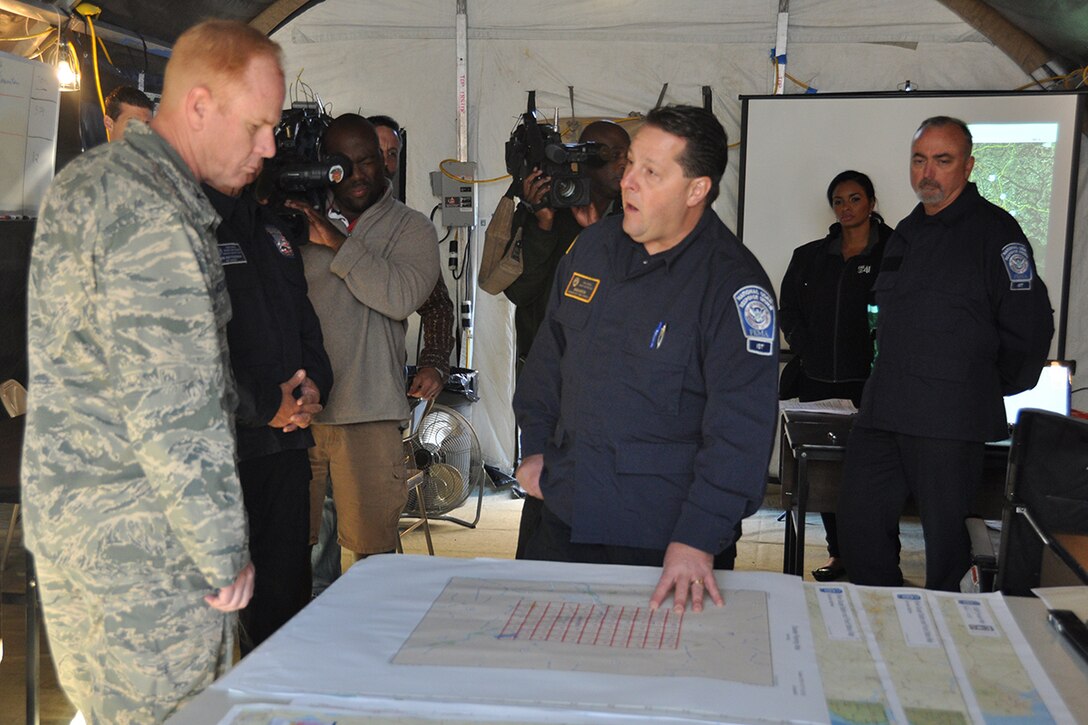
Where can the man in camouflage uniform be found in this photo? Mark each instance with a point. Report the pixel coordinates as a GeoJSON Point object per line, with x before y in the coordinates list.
{"type": "Point", "coordinates": [132, 505]}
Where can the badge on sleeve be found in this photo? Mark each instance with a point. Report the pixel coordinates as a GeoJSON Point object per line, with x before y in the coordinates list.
{"type": "Point", "coordinates": [282, 245]}
{"type": "Point", "coordinates": [1018, 265]}
{"type": "Point", "coordinates": [231, 253]}
{"type": "Point", "coordinates": [755, 308]}
{"type": "Point", "coordinates": [581, 287]}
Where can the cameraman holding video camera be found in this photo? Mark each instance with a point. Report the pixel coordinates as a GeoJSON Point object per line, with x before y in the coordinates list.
{"type": "Point", "coordinates": [547, 233]}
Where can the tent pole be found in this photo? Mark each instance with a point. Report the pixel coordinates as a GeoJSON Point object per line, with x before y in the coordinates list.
{"type": "Point", "coordinates": [468, 311]}
{"type": "Point", "coordinates": [273, 16]}
{"type": "Point", "coordinates": [1024, 50]}
{"type": "Point", "coordinates": [781, 37]}
{"type": "Point", "coordinates": [55, 15]}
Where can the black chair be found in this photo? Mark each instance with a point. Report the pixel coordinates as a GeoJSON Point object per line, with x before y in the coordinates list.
{"type": "Point", "coordinates": [1044, 532]}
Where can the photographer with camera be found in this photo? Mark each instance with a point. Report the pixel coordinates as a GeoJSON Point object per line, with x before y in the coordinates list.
{"type": "Point", "coordinates": [548, 230]}
{"type": "Point", "coordinates": [547, 233]}
{"type": "Point", "coordinates": [371, 263]}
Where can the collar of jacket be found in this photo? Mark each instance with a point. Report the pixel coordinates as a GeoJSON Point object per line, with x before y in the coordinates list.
{"type": "Point", "coordinates": [340, 220]}
{"type": "Point", "coordinates": [960, 207]}
{"type": "Point", "coordinates": [149, 144]}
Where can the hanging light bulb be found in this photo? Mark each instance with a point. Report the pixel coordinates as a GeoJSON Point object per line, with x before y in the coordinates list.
{"type": "Point", "coordinates": [67, 67]}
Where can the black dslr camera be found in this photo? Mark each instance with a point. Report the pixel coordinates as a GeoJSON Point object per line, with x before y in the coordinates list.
{"type": "Point", "coordinates": [535, 144]}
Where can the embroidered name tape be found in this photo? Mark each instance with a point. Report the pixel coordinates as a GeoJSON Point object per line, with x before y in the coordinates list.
{"type": "Point", "coordinates": [231, 253]}
{"type": "Point", "coordinates": [1018, 265]}
{"type": "Point", "coordinates": [582, 288]}
{"type": "Point", "coordinates": [282, 245]}
{"type": "Point", "coordinates": [755, 308]}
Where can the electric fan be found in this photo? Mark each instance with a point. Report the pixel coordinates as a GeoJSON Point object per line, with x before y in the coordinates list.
{"type": "Point", "coordinates": [446, 450]}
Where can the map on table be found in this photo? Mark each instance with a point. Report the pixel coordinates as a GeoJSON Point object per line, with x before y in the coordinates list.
{"type": "Point", "coordinates": [909, 656]}
{"type": "Point", "coordinates": [575, 627]}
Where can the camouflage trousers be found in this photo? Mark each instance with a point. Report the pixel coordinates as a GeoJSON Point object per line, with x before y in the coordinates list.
{"type": "Point", "coordinates": [131, 653]}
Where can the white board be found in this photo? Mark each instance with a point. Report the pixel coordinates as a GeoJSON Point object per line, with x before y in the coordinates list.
{"type": "Point", "coordinates": [29, 105]}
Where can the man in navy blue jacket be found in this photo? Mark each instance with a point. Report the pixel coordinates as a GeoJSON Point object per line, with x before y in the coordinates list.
{"type": "Point", "coordinates": [283, 376]}
{"type": "Point", "coordinates": [963, 319]}
{"type": "Point", "coordinates": [648, 402]}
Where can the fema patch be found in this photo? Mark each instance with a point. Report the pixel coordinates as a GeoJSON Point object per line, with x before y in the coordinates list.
{"type": "Point", "coordinates": [282, 245]}
{"type": "Point", "coordinates": [231, 253]}
{"type": "Point", "coordinates": [1018, 265]}
{"type": "Point", "coordinates": [755, 307]}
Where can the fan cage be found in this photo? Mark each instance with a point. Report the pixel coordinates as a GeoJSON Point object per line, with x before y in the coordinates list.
{"type": "Point", "coordinates": [445, 448]}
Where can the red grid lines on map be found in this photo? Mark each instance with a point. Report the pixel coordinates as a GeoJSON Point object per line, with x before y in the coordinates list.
{"type": "Point", "coordinates": [593, 625]}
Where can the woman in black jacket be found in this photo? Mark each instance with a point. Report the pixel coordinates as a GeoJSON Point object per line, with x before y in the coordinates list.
{"type": "Point", "coordinates": [824, 300]}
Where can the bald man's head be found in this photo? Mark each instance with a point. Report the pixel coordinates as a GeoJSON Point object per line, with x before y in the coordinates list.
{"type": "Point", "coordinates": [221, 102]}
{"type": "Point", "coordinates": [355, 137]}
{"type": "Point", "coordinates": [606, 178]}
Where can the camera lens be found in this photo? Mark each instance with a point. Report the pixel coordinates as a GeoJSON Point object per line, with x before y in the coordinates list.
{"type": "Point", "coordinates": [566, 189]}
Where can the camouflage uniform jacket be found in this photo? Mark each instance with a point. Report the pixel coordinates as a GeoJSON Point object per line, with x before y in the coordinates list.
{"type": "Point", "coordinates": [129, 455]}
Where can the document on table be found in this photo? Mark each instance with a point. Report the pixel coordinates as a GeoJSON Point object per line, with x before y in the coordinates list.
{"type": "Point", "coordinates": [908, 655]}
{"type": "Point", "coordinates": [521, 636]}
{"type": "Point", "coordinates": [834, 406]}
{"type": "Point", "coordinates": [1072, 598]}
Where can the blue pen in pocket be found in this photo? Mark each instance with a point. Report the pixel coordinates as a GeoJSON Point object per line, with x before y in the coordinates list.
{"type": "Point", "coordinates": [659, 335]}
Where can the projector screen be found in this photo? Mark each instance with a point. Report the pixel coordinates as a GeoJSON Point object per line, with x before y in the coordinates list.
{"type": "Point", "coordinates": [1026, 147]}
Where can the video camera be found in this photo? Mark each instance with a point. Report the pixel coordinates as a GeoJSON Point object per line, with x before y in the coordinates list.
{"type": "Point", "coordinates": [298, 168]}
{"type": "Point", "coordinates": [535, 144]}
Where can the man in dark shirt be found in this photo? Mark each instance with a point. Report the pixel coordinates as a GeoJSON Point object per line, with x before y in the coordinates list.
{"type": "Point", "coordinates": [282, 374]}
{"type": "Point", "coordinates": [547, 233]}
{"type": "Point", "coordinates": [123, 104]}
{"type": "Point", "coordinates": [649, 400]}
{"type": "Point", "coordinates": [963, 319]}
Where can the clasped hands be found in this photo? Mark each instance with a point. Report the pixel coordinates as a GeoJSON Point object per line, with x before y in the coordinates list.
{"type": "Point", "coordinates": [295, 413]}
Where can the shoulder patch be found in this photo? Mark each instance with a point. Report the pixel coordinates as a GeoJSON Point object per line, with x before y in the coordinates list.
{"type": "Point", "coordinates": [755, 308]}
{"type": "Point", "coordinates": [231, 253]}
{"type": "Point", "coordinates": [581, 287]}
{"type": "Point", "coordinates": [1018, 265]}
{"type": "Point", "coordinates": [282, 245]}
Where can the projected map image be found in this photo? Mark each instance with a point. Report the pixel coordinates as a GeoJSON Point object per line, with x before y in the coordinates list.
{"type": "Point", "coordinates": [1014, 168]}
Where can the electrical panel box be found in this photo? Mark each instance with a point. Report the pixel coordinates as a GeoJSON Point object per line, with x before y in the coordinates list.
{"type": "Point", "coordinates": [454, 185]}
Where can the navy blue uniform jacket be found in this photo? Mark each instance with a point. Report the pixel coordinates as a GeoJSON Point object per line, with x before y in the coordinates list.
{"type": "Point", "coordinates": [823, 306]}
{"type": "Point", "coordinates": [273, 330]}
{"type": "Point", "coordinates": [963, 320]}
{"type": "Point", "coordinates": [651, 389]}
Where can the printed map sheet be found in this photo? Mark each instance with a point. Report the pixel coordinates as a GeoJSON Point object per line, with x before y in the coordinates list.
{"type": "Point", "coordinates": [578, 627]}
{"type": "Point", "coordinates": [914, 656]}
{"type": "Point", "coordinates": [572, 639]}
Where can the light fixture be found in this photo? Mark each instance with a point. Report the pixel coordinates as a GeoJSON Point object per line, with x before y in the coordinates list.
{"type": "Point", "coordinates": [67, 66]}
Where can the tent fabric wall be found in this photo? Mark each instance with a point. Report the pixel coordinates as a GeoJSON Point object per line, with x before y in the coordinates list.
{"type": "Point", "coordinates": [399, 58]}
